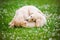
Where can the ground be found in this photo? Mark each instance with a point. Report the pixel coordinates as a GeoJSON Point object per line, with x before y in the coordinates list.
{"type": "Point", "coordinates": [51, 31]}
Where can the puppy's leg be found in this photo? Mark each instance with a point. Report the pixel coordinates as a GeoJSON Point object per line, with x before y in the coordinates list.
{"type": "Point", "coordinates": [39, 23]}
{"type": "Point", "coordinates": [29, 24]}
{"type": "Point", "coordinates": [11, 24]}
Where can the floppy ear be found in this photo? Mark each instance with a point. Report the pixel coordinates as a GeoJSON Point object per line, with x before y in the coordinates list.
{"type": "Point", "coordinates": [29, 12]}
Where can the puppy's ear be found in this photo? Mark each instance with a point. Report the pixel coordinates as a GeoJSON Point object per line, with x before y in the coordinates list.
{"type": "Point", "coordinates": [28, 12]}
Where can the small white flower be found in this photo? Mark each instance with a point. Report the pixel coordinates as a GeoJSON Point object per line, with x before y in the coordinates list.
{"type": "Point", "coordinates": [30, 31]}
{"type": "Point", "coordinates": [5, 11]}
{"type": "Point", "coordinates": [2, 17]}
{"type": "Point", "coordinates": [10, 33]}
{"type": "Point", "coordinates": [53, 34]}
{"type": "Point", "coordinates": [2, 32]}
{"type": "Point", "coordinates": [50, 38]}
{"type": "Point", "coordinates": [27, 35]}
{"type": "Point", "coordinates": [58, 34]}
{"type": "Point", "coordinates": [44, 36]}
{"type": "Point", "coordinates": [2, 23]}
{"type": "Point", "coordinates": [45, 29]}
{"type": "Point", "coordinates": [17, 38]}
{"type": "Point", "coordinates": [4, 36]}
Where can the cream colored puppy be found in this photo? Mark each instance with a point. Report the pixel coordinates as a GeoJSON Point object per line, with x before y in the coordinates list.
{"type": "Point", "coordinates": [21, 15]}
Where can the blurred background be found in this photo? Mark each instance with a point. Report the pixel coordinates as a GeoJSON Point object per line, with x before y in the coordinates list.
{"type": "Point", "coordinates": [51, 31]}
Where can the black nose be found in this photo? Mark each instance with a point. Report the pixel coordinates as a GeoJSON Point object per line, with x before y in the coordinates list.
{"type": "Point", "coordinates": [26, 20]}
{"type": "Point", "coordinates": [32, 19]}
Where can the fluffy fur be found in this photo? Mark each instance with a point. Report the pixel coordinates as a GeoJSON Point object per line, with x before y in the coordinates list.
{"type": "Point", "coordinates": [24, 13]}
{"type": "Point", "coordinates": [18, 20]}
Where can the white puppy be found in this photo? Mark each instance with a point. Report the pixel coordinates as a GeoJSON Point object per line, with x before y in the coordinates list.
{"type": "Point", "coordinates": [22, 14]}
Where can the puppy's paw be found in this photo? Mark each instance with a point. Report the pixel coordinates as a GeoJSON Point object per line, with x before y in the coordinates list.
{"type": "Point", "coordinates": [11, 24]}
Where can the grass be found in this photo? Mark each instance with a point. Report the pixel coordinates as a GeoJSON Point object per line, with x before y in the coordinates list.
{"type": "Point", "coordinates": [51, 31]}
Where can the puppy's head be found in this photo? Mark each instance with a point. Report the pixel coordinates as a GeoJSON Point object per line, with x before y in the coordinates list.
{"type": "Point", "coordinates": [31, 18]}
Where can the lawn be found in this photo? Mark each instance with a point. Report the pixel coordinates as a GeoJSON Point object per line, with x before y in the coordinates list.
{"type": "Point", "coordinates": [51, 31]}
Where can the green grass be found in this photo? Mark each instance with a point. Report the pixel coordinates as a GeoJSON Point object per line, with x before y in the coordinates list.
{"type": "Point", "coordinates": [51, 31]}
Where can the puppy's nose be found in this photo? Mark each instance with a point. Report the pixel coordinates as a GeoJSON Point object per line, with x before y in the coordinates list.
{"type": "Point", "coordinates": [26, 20]}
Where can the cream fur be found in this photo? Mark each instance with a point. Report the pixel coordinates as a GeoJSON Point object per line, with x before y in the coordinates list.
{"type": "Point", "coordinates": [26, 12]}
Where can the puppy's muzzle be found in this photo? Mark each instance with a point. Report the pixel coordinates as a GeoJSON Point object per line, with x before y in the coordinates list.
{"type": "Point", "coordinates": [26, 19]}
